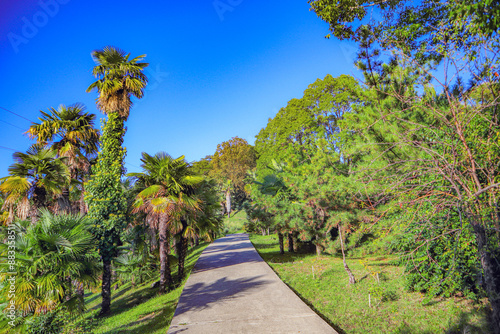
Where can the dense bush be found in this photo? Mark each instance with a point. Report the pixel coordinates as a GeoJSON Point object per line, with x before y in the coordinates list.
{"type": "Point", "coordinates": [440, 257]}
{"type": "Point", "coordinates": [50, 323]}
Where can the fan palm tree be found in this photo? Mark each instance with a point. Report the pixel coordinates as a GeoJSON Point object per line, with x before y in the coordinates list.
{"type": "Point", "coordinates": [274, 186]}
{"type": "Point", "coordinates": [47, 254]}
{"type": "Point", "coordinates": [168, 186]}
{"type": "Point", "coordinates": [207, 220]}
{"type": "Point", "coordinates": [70, 131]}
{"type": "Point", "coordinates": [35, 175]}
{"type": "Point", "coordinates": [16, 203]}
{"type": "Point", "coordinates": [120, 78]}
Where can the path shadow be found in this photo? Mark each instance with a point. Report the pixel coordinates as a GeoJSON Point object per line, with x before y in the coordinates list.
{"type": "Point", "coordinates": [200, 296]}
{"type": "Point", "coordinates": [227, 252]}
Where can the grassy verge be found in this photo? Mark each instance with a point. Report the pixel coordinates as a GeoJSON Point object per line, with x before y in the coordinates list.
{"type": "Point", "coordinates": [235, 224]}
{"type": "Point", "coordinates": [322, 283]}
{"type": "Point", "coordinates": [134, 309]}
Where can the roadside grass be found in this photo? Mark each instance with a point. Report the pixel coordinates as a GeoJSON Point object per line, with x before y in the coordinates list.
{"type": "Point", "coordinates": [235, 224]}
{"type": "Point", "coordinates": [134, 310]}
{"type": "Point", "coordinates": [323, 284]}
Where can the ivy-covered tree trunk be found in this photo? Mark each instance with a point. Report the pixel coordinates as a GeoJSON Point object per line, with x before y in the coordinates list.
{"type": "Point", "coordinates": [106, 201]}
{"type": "Point", "coordinates": [280, 238]}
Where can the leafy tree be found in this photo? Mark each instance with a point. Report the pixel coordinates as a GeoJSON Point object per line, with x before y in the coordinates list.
{"type": "Point", "coordinates": [70, 132]}
{"type": "Point", "coordinates": [119, 78]}
{"type": "Point", "coordinates": [304, 135]}
{"type": "Point", "coordinates": [437, 150]}
{"type": "Point", "coordinates": [416, 24]}
{"type": "Point", "coordinates": [203, 166]}
{"type": "Point", "coordinates": [428, 139]}
{"type": "Point", "coordinates": [230, 163]}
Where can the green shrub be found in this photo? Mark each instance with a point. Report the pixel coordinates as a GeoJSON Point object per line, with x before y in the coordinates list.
{"type": "Point", "coordinates": [49, 323]}
{"type": "Point", "coordinates": [440, 257]}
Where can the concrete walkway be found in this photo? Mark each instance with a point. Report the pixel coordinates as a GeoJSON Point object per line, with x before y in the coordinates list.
{"type": "Point", "coordinates": [232, 290]}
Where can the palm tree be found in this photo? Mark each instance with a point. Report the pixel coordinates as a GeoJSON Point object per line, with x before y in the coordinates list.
{"type": "Point", "coordinates": [207, 220]}
{"type": "Point", "coordinates": [16, 203]}
{"type": "Point", "coordinates": [118, 79]}
{"type": "Point", "coordinates": [274, 186]}
{"type": "Point", "coordinates": [4, 215]}
{"type": "Point", "coordinates": [168, 186]}
{"type": "Point", "coordinates": [47, 253]}
{"type": "Point", "coordinates": [36, 174]}
{"type": "Point", "coordinates": [70, 132]}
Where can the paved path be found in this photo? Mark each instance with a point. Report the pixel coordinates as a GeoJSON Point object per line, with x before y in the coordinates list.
{"type": "Point", "coordinates": [232, 290]}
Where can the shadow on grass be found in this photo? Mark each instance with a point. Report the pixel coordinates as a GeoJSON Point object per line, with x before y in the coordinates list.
{"type": "Point", "coordinates": [94, 297]}
{"type": "Point", "coordinates": [405, 328]}
{"type": "Point", "coordinates": [143, 292]}
{"type": "Point", "coordinates": [149, 323]}
{"type": "Point", "coordinates": [276, 257]}
{"type": "Point", "coordinates": [462, 325]}
{"type": "Point", "coordinates": [114, 296]}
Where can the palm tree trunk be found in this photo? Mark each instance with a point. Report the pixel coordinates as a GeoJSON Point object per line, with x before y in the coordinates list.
{"type": "Point", "coordinates": [280, 238]}
{"type": "Point", "coordinates": [39, 196]}
{"type": "Point", "coordinates": [83, 205]}
{"type": "Point", "coordinates": [182, 250]}
{"type": "Point", "coordinates": [165, 275]}
{"type": "Point", "coordinates": [196, 240]}
{"type": "Point", "coordinates": [64, 202]}
{"type": "Point", "coordinates": [153, 241]}
{"type": "Point", "coordinates": [106, 286]}
{"type": "Point", "coordinates": [290, 242]}
{"type": "Point", "coordinates": [80, 288]}
{"type": "Point", "coordinates": [69, 292]}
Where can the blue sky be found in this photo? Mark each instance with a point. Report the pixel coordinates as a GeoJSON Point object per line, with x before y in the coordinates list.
{"type": "Point", "coordinates": [218, 69]}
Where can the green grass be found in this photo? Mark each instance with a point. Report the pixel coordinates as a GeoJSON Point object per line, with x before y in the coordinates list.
{"type": "Point", "coordinates": [346, 307]}
{"type": "Point", "coordinates": [235, 224]}
{"type": "Point", "coordinates": [134, 310]}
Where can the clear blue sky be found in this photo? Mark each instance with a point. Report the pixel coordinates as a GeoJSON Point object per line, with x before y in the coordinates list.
{"type": "Point", "coordinates": [214, 73]}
